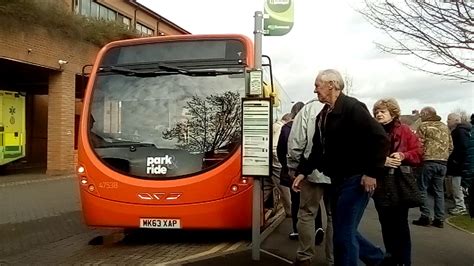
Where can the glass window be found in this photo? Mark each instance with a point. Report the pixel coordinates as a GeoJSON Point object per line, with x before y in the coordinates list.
{"type": "Point", "coordinates": [166, 126]}
{"type": "Point", "coordinates": [127, 22]}
{"type": "Point", "coordinates": [123, 19]}
{"type": "Point", "coordinates": [112, 15]}
{"type": "Point", "coordinates": [85, 7]}
{"type": "Point", "coordinates": [175, 51]}
{"type": "Point", "coordinates": [103, 12]}
{"type": "Point", "coordinates": [94, 10]}
{"type": "Point", "coordinates": [144, 30]}
{"type": "Point", "coordinates": [76, 7]}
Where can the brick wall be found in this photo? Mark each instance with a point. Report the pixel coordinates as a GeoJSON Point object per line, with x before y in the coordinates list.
{"type": "Point", "coordinates": [39, 47]}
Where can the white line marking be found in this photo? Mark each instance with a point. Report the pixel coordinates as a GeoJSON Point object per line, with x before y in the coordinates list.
{"type": "Point", "coordinates": [276, 256]}
{"type": "Point", "coordinates": [194, 256]}
{"type": "Point", "coordinates": [235, 246]}
{"type": "Point", "coordinates": [17, 183]}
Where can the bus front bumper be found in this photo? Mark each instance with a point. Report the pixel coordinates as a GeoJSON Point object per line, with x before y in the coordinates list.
{"type": "Point", "coordinates": [233, 212]}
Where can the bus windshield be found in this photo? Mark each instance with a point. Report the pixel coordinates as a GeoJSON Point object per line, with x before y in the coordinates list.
{"type": "Point", "coordinates": [165, 121]}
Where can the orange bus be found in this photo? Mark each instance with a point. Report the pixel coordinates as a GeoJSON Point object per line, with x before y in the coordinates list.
{"type": "Point", "coordinates": [160, 134]}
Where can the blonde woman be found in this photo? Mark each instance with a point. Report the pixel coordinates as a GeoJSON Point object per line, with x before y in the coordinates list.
{"type": "Point", "coordinates": [405, 149]}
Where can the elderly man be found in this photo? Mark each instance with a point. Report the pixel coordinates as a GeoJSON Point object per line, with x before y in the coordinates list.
{"type": "Point", "coordinates": [350, 147]}
{"type": "Point", "coordinates": [457, 160]}
{"type": "Point", "coordinates": [437, 145]}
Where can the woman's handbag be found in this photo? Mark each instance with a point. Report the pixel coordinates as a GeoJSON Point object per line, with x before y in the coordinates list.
{"type": "Point", "coordinates": [398, 188]}
{"type": "Point", "coordinates": [408, 192]}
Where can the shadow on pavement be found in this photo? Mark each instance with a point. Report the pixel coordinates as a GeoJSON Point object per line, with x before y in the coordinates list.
{"type": "Point", "coordinates": [138, 237]}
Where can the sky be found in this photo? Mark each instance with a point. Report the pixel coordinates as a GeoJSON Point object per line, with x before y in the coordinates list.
{"type": "Point", "coordinates": [325, 34]}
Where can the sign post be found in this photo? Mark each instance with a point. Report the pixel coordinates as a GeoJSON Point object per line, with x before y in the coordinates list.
{"type": "Point", "coordinates": [257, 111]}
{"type": "Point", "coordinates": [255, 90]}
{"type": "Point", "coordinates": [256, 160]}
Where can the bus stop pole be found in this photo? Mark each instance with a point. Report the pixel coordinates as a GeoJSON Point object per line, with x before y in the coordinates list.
{"type": "Point", "coordinates": [258, 33]}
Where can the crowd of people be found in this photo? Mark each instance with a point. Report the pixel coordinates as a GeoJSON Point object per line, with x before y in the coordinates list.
{"type": "Point", "coordinates": [333, 152]}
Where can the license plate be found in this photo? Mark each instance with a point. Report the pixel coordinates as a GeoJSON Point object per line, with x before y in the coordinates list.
{"type": "Point", "coordinates": [160, 223]}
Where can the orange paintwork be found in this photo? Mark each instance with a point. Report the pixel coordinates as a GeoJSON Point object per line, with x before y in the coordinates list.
{"type": "Point", "coordinates": [206, 200]}
{"type": "Point", "coordinates": [228, 213]}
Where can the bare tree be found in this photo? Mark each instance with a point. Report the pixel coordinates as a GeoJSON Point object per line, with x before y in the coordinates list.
{"type": "Point", "coordinates": [213, 122]}
{"type": "Point", "coordinates": [440, 33]}
{"type": "Point", "coordinates": [348, 83]}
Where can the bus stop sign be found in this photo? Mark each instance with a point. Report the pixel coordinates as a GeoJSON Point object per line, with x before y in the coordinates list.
{"type": "Point", "coordinates": [278, 16]}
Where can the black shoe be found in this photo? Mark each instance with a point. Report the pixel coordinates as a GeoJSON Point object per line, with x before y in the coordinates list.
{"type": "Point", "coordinates": [319, 237]}
{"type": "Point", "coordinates": [293, 236]}
{"type": "Point", "coordinates": [388, 261]}
{"type": "Point", "coordinates": [438, 223]}
{"type": "Point", "coordinates": [422, 221]}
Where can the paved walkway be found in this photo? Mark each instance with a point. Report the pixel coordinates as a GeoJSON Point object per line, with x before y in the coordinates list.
{"type": "Point", "coordinates": [41, 224]}
{"type": "Point", "coordinates": [21, 198]}
{"type": "Point", "coordinates": [431, 246]}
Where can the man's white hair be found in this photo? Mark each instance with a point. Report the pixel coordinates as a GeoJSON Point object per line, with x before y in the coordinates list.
{"type": "Point", "coordinates": [455, 117]}
{"type": "Point", "coordinates": [332, 75]}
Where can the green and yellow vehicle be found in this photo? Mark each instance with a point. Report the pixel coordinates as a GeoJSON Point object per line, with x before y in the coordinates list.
{"type": "Point", "coordinates": [12, 126]}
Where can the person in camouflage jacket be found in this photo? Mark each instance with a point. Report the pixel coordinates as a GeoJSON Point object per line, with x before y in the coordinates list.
{"type": "Point", "coordinates": [437, 145]}
{"type": "Point", "coordinates": [436, 138]}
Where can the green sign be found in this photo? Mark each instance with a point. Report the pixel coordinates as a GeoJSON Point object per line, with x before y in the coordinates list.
{"type": "Point", "coordinates": [278, 16]}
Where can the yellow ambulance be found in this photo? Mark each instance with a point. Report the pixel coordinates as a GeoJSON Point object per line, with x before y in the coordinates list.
{"type": "Point", "coordinates": [12, 126]}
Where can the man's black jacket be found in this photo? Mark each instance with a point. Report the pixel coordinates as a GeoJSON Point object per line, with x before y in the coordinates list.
{"type": "Point", "coordinates": [351, 143]}
{"type": "Point", "coordinates": [458, 157]}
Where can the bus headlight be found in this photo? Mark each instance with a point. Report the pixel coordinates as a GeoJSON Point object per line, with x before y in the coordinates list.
{"type": "Point", "coordinates": [234, 188]}
{"type": "Point", "coordinates": [81, 169]}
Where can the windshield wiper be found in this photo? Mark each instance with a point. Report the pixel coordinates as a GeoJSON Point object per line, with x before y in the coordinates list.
{"type": "Point", "coordinates": [168, 70]}
{"type": "Point", "coordinates": [180, 70]}
{"type": "Point", "coordinates": [123, 144]}
{"type": "Point", "coordinates": [133, 72]}
{"type": "Point", "coordinates": [109, 143]}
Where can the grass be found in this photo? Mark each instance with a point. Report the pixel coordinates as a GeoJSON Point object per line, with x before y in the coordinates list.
{"type": "Point", "coordinates": [464, 222]}
{"type": "Point", "coordinates": [58, 20]}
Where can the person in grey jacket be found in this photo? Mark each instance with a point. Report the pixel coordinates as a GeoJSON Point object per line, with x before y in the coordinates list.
{"type": "Point", "coordinates": [300, 143]}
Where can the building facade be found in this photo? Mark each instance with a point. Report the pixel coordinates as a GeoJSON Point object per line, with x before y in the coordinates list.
{"type": "Point", "coordinates": [46, 65]}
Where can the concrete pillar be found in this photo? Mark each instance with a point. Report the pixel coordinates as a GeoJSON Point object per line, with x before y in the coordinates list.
{"type": "Point", "coordinates": [61, 97]}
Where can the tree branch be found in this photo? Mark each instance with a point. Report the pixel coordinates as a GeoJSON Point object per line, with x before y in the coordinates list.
{"type": "Point", "coordinates": [440, 34]}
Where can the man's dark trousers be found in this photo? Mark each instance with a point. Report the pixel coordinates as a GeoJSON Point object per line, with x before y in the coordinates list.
{"type": "Point", "coordinates": [433, 174]}
{"type": "Point", "coordinates": [348, 203]}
